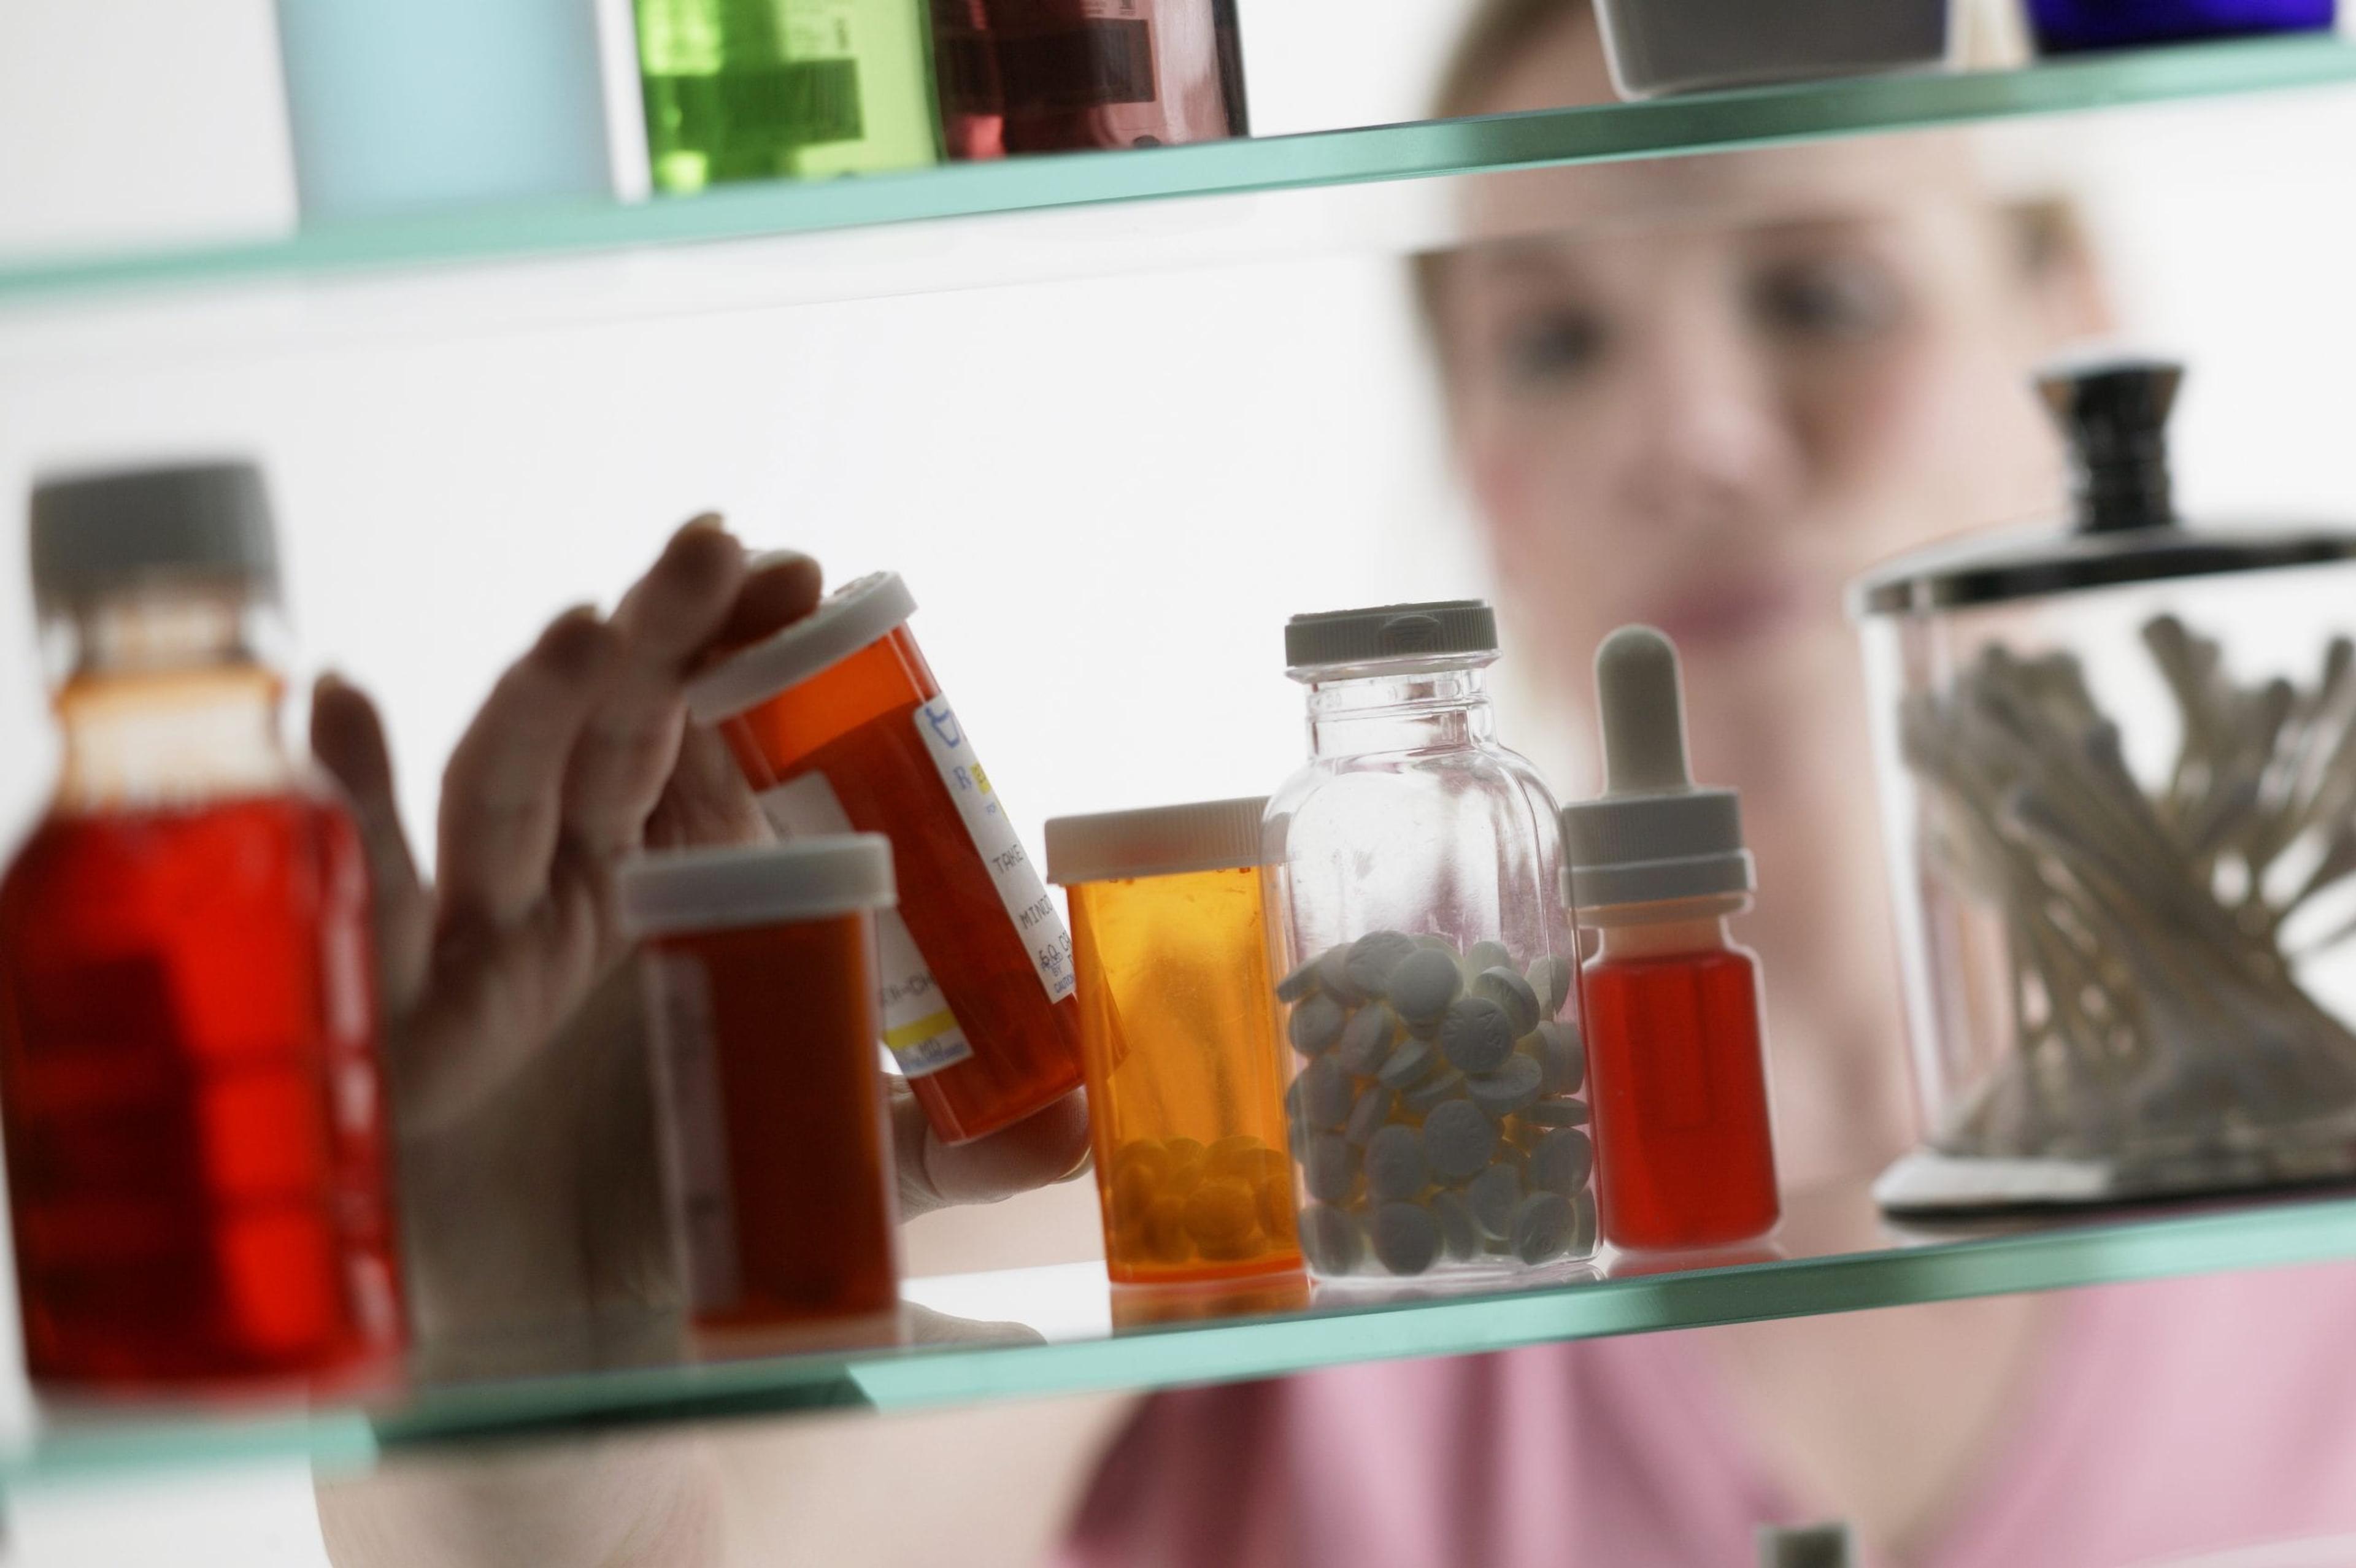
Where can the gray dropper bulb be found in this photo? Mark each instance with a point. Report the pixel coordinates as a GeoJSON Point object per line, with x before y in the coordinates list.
{"type": "Point", "coordinates": [1652, 837]}
{"type": "Point", "coordinates": [1638, 688]}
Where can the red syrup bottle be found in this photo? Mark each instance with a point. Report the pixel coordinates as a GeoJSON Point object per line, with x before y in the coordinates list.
{"type": "Point", "coordinates": [189, 1078]}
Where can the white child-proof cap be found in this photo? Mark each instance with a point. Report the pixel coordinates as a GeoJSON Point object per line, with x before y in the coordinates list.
{"type": "Point", "coordinates": [761, 884]}
{"type": "Point", "coordinates": [1162, 841]}
{"type": "Point", "coordinates": [846, 621]}
{"type": "Point", "coordinates": [1654, 837]}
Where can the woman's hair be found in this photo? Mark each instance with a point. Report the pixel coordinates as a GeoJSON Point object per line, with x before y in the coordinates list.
{"type": "Point", "coordinates": [1499, 30]}
{"type": "Point", "coordinates": [2049, 233]}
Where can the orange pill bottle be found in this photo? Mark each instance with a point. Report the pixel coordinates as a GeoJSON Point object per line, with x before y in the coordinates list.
{"type": "Point", "coordinates": [759, 971]}
{"type": "Point", "coordinates": [1178, 1037]}
{"type": "Point", "coordinates": [838, 721]}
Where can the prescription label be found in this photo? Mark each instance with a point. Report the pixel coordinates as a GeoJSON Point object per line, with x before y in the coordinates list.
{"type": "Point", "coordinates": [919, 1030]}
{"type": "Point", "coordinates": [1017, 881]}
{"type": "Point", "coordinates": [694, 1139]}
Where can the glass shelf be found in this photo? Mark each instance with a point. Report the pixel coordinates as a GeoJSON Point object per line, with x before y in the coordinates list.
{"type": "Point", "coordinates": [1037, 1332]}
{"type": "Point", "coordinates": [1387, 153]}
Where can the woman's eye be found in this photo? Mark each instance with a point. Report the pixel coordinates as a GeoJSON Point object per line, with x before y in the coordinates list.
{"type": "Point", "coordinates": [1553, 346]}
{"type": "Point", "coordinates": [1831, 302]}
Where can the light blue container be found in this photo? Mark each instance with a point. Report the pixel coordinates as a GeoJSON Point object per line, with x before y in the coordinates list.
{"type": "Point", "coordinates": [403, 106]}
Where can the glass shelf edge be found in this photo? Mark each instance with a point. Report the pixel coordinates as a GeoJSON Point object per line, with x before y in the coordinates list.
{"type": "Point", "coordinates": [1420, 150]}
{"type": "Point", "coordinates": [2290, 1234]}
{"type": "Point", "coordinates": [339, 1439]}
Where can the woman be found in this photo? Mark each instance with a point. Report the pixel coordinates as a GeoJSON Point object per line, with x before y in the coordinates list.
{"type": "Point", "coordinates": [1738, 383]}
{"type": "Point", "coordinates": [1791, 364]}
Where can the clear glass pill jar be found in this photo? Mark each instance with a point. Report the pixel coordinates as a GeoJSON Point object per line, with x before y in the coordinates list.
{"type": "Point", "coordinates": [838, 721]}
{"type": "Point", "coordinates": [1178, 1040]}
{"type": "Point", "coordinates": [759, 977]}
{"type": "Point", "coordinates": [1427, 965]}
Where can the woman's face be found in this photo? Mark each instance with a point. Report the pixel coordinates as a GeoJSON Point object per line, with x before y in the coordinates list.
{"type": "Point", "coordinates": [1768, 372]}
{"type": "Point", "coordinates": [1707, 396]}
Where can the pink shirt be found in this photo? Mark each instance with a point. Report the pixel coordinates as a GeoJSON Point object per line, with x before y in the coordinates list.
{"type": "Point", "coordinates": [2172, 1418]}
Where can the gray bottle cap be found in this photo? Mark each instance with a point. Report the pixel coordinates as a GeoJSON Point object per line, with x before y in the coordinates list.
{"type": "Point", "coordinates": [197, 524]}
{"type": "Point", "coordinates": [1655, 836]}
{"type": "Point", "coordinates": [1813, 1546]}
{"type": "Point", "coordinates": [1389, 631]}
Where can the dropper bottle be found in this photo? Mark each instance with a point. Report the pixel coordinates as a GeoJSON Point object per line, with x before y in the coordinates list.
{"type": "Point", "coordinates": [1684, 1147]}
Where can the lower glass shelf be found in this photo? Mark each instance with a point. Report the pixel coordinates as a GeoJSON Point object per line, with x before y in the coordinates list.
{"type": "Point", "coordinates": [1044, 1331]}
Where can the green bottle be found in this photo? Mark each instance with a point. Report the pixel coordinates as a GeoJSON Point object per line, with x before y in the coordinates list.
{"type": "Point", "coordinates": [744, 89]}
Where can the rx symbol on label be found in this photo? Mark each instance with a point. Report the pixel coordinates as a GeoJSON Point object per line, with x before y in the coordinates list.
{"type": "Point", "coordinates": [945, 727]}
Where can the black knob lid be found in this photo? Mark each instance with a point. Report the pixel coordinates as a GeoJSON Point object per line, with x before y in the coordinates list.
{"type": "Point", "coordinates": [2115, 413]}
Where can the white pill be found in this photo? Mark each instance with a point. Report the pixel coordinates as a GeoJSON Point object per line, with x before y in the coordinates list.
{"type": "Point", "coordinates": [1486, 955]}
{"type": "Point", "coordinates": [1543, 1227]}
{"type": "Point", "coordinates": [1410, 1062]}
{"type": "Point", "coordinates": [1366, 1117]}
{"type": "Point", "coordinates": [1395, 1168]}
{"type": "Point", "coordinates": [1563, 1054]}
{"type": "Point", "coordinates": [1330, 1240]}
{"type": "Point", "coordinates": [1494, 1195]}
{"type": "Point", "coordinates": [1334, 974]}
{"type": "Point", "coordinates": [1506, 987]}
{"type": "Point", "coordinates": [1476, 1034]}
{"type": "Point", "coordinates": [1407, 1238]}
{"type": "Point", "coordinates": [1459, 1231]}
{"type": "Point", "coordinates": [1316, 1024]}
{"type": "Point", "coordinates": [1330, 1169]}
{"type": "Point", "coordinates": [1550, 977]}
{"type": "Point", "coordinates": [1443, 1085]}
{"type": "Point", "coordinates": [1373, 958]}
{"type": "Point", "coordinates": [1561, 1161]}
{"type": "Point", "coordinates": [1458, 1140]}
{"type": "Point", "coordinates": [1321, 1097]}
{"type": "Point", "coordinates": [1366, 1040]}
{"type": "Point", "coordinates": [1556, 1114]}
{"type": "Point", "coordinates": [1297, 984]}
{"type": "Point", "coordinates": [1507, 1089]}
{"type": "Point", "coordinates": [1424, 983]}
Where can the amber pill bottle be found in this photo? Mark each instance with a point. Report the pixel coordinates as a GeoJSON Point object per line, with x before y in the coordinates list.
{"type": "Point", "coordinates": [837, 722]}
{"type": "Point", "coordinates": [1178, 1036]}
{"type": "Point", "coordinates": [759, 971]}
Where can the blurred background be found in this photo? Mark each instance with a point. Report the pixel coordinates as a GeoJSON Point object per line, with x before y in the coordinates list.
{"type": "Point", "coordinates": [1109, 478]}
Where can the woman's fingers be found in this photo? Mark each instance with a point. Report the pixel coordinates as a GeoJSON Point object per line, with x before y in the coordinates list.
{"type": "Point", "coordinates": [707, 801]}
{"type": "Point", "coordinates": [627, 751]}
{"type": "Point", "coordinates": [348, 737]}
{"type": "Point", "coordinates": [780, 588]}
{"type": "Point", "coordinates": [1042, 1149]}
{"type": "Point", "coordinates": [502, 794]}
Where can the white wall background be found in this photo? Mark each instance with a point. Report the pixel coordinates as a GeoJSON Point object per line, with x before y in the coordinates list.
{"type": "Point", "coordinates": [1106, 492]}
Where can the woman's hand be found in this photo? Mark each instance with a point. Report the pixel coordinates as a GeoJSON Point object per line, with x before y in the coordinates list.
{"type": "Point", "coordinates": [513, 1042]}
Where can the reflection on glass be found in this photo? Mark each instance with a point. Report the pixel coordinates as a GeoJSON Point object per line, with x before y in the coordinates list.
{"type": "Point", "coordinates": [1155, 1306]}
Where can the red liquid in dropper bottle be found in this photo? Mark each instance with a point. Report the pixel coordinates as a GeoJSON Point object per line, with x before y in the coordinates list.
{"type": "Point", "coordinates": [1684, 1156]}
{"type": "Point", "coordinates": [1684, 1142]}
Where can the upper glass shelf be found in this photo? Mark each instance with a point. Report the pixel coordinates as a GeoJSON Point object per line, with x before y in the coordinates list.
{"type": "Point", "coordinates": [1386, 152]}
{"type": "Point", "coordinates": [1033, 1332]}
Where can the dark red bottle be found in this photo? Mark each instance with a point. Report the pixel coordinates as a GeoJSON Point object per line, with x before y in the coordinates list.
{"type": "Point", "coordinates": [1685, 1149]}
{"type": "Point", "coordinates": [1045, 76]}
{"type": "Point", "coordinates": [188, 1076]}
